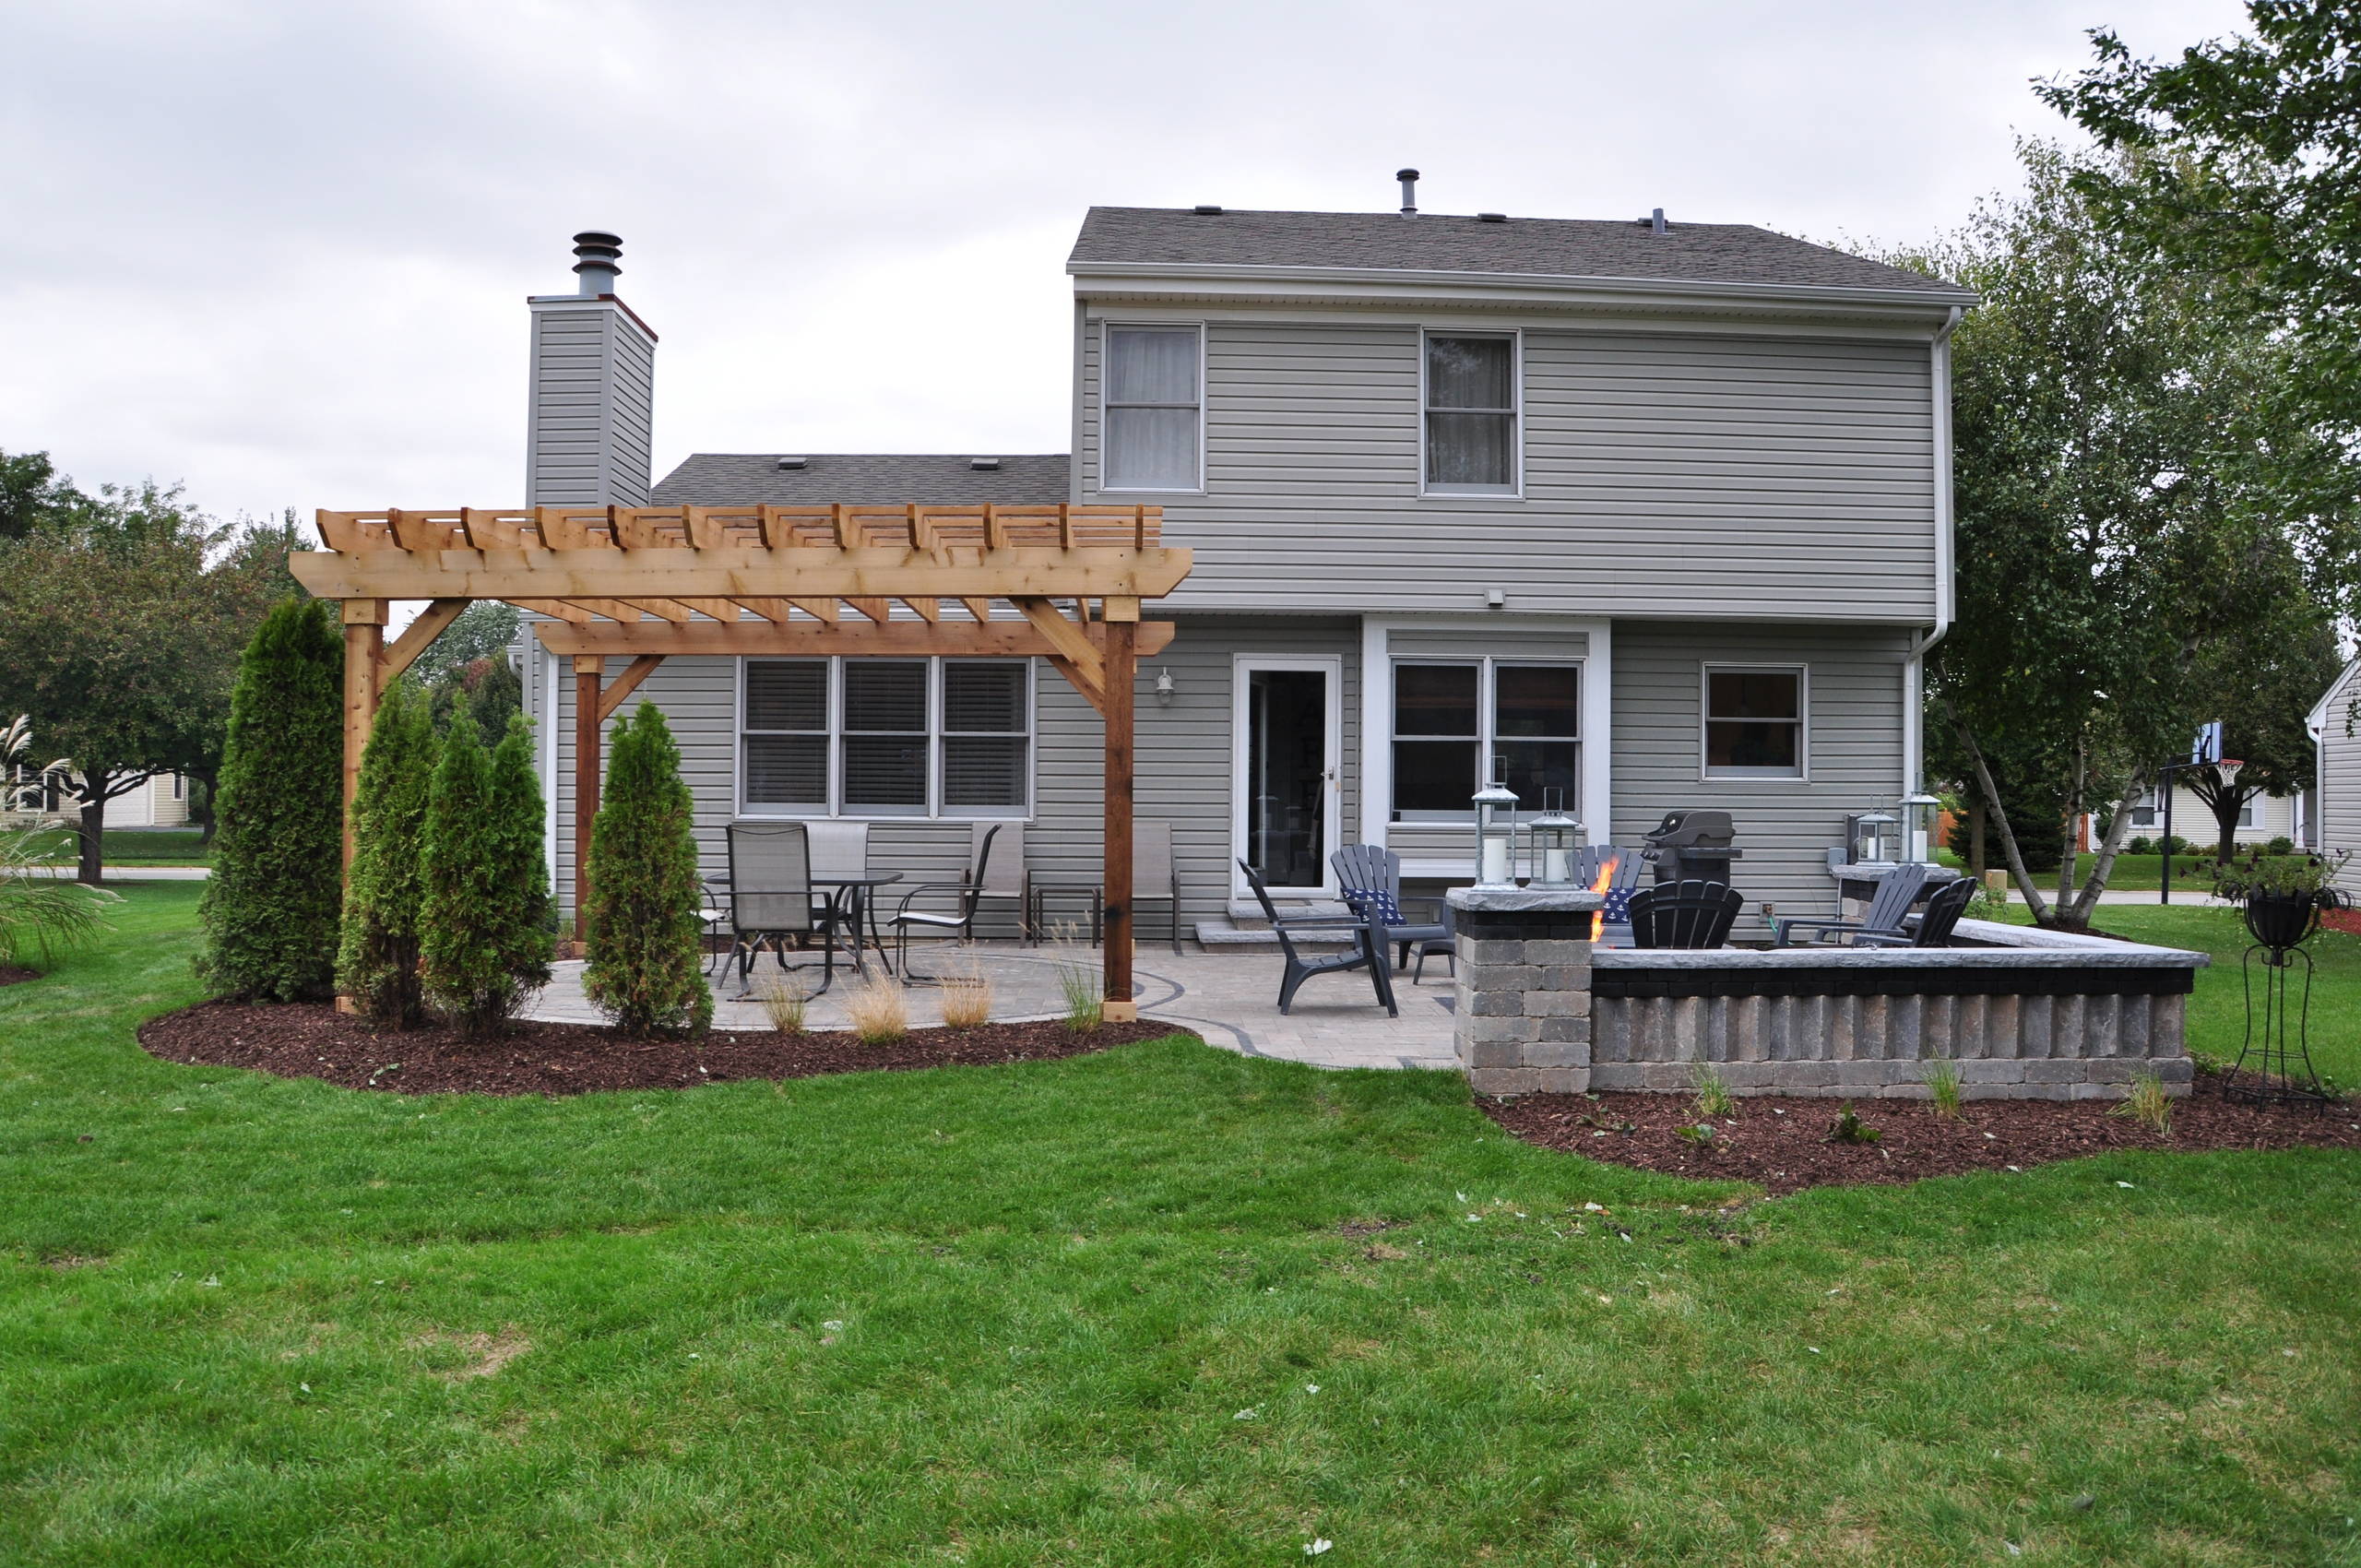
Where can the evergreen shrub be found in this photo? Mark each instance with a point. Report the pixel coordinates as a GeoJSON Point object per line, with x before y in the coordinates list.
{"type": "Point", "coordinates": [645, 967]}
{"type": "Point", "coordinates": [378, 965]}
{"type": "Point", "coordinates": [485, 920]}
{"type": "Point", "coordinates": [271, 906]}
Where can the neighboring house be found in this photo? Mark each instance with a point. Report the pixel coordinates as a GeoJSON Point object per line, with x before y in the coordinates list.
{"type": "Point", "coordinates": [2261, 819]}
{"type": "Point", "coordinates": [161, 801]}
{"type": "Point", "coordinates": [2335, 725]}
{"type": "Point", "coordinates": [1659, 513]}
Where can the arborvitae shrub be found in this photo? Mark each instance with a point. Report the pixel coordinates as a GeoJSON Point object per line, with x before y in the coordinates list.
{"type": "Point", "coordinates": [378, 965]}
{"type": "Point", "coordinates": [484, 924]}
{"type": "Point", "coordinates": [271, 906]}
{"type": "Point", "coordinates": [645, 967]}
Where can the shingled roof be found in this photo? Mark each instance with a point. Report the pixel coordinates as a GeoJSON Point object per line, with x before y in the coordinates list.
{"type": "Point", "coordinates": [1689, 253]}
{"type": "Point", "coordinates": [723, 479]}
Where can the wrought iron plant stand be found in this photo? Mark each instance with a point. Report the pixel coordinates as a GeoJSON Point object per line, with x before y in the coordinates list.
{"type": "Point", "coordinates": [2270, 1070]}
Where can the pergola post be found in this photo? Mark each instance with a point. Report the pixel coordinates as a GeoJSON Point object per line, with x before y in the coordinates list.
{"type": "Point", "coordinates": [588, 670]}
{"type": "Point", "coordinates": [364, 647]}
{"type": "Point", "coordinates": [1121, 622]}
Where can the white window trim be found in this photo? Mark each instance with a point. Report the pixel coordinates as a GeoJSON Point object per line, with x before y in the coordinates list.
{"type": "Point", "coordinates": [1707, 669]}
{"type": "Point", "coordinates": [1598, 660]}
{"type": "Point", "coordinates": [1487, 737]}
{"type": "Point", "coordinates": [935, 810]}
{"type": "Point", "coordinates": [1107, 328]}
{"type": "Point", "coordinates": [1515, 335]}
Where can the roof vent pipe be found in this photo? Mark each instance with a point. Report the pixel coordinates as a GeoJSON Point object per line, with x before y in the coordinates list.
{"type": "Point", "coordinates": [1409, 178]}
{"type": "Point", "coordinates": [595, 271]}
{"type": "Point", "coordinates": [1656, 222]}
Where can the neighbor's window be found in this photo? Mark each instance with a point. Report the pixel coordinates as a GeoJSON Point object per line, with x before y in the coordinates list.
{"type": "Point", "coordinates": [1153, 407]}
{"type": "Point", "coordinates": [2148, 812]}
{"type": "Point", "coordinates": [1471, 416]}
{"type": "Point", "coordinates": [887, 737]}
{"type": "Point", "coordinates": [1450, 718]}
{"type": "Point", "coordinates": [1754, 723]}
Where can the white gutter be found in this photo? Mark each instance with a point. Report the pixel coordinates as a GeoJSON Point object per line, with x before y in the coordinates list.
{"type": "Point", "coordinates": [1913, 745]}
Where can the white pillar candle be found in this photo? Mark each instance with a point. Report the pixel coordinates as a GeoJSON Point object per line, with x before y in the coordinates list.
{"type": "Point", "coordinates": [1495, 869]}
{"type": "Point", "coordinates": [1557, 866]}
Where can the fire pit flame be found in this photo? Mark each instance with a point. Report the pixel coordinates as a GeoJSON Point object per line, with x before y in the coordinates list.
{"type": "Point", "coordinates": [1605, 880]}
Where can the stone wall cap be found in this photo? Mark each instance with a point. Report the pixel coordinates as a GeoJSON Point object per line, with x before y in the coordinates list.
{"type": "Point", "coordinates": [1526, 900]}
{"type": "Point", "coordinates": [2114, 956]}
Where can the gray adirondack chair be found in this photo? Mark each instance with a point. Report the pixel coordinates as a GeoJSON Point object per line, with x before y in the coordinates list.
{"type": "Point", "coordinates": [1371, 869]}
{"type": "Point", "coordinates": [1896, 894]}
{"type": "Point", "coordinates": [1944, 907]}
{"type": "Point", "coordinates": [1369, 947]}
{"type": "Point", "coordinates": [1684, 914]}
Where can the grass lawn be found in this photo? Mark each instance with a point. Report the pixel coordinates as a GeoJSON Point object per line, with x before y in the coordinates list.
{"type": "Point", "coordinates": [136, 846]}
{"type": "Point", "coordinates": [2130, 874]}
{"type": "Point", "coordinates": [1101, 1311]}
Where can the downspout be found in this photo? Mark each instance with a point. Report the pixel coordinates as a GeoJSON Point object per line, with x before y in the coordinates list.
{"type": "Point", "coordinates": [1913, 662]}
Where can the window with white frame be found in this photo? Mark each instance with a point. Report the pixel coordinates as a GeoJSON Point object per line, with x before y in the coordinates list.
{"type": "Point", "coordinates": [886, 737]}
{"type": "Point", "coordinates": [1754, 722]}
{"type": "Point", "coordinates": [2149, 809]}
{"type": "Point", "coordinates": [1153, 433]}
{"type": "Point", "coordinates": [1451, 716]}
{"type": "Point", "coordinates": [1472, 446]}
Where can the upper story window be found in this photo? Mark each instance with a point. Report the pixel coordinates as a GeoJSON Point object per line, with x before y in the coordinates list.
{"type": "Point", "coordinates": [886, 737]}
{"type": "Point", "coordinates": [1472, 446]}
{"type": "Point", "coordinates": [1754, 722]}
{"type": "Point", "coordinates": [1154, 429]}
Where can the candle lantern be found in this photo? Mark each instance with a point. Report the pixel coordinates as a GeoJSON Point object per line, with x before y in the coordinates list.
{"type": "Point", "coordinates": [1872, 835]}
{"type": "Point", "coordinates": [1496, 835]}
{"type": "Point", "coordinates": [1918, 810]}
{"type": "Point", "coordinates": [1557, 843]}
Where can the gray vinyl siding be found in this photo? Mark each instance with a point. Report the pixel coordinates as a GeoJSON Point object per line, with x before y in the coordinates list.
{"type": "Point", "coordinates": [1183, 765]}
{"type": "Point", "coordinates": [1784, 827]}
{"type": "Point", "coordinates": [2339, 795]}
{"type": "Point", "coordinates": [1664, 474]}
{"type": "Point", "coordinates": [589, 413]}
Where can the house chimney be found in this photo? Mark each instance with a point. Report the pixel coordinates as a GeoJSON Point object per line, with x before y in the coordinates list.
{"type": "Point", "coordinates": [592, 389]}
{"type": "Point", "coordinates": [597, 270]}
{"type": "Point", "coordinates": [1409, 178]}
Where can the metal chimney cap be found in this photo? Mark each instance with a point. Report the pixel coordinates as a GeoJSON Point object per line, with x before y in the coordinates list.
{"type": "Point", "coordinates": [1405, 173]}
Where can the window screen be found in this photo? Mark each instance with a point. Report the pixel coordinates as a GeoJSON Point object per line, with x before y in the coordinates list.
{"type": "Point", "coordinates": [1471, 415]}
{"type": "Point", "coordinates": [1755, 725]}
{"type": "Point", "coordinates": [1151, 409]}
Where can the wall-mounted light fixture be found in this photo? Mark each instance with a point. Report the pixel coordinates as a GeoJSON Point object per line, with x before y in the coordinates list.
{"type": "Point", "coordinates": [1164, 687]}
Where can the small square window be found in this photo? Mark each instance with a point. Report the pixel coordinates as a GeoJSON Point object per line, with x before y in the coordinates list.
{"type": "Point", "coordinates": [1754, 723]}
{"type": "Point", "coordinates": [1471, 435]}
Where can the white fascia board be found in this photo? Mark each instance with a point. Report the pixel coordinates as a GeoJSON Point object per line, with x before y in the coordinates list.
{"type": "Point", "coordinates": [1383, 285]}
{"type": "Point", "coordinates": [2318, 714]}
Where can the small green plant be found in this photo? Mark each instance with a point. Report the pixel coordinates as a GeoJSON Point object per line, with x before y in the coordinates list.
{"type": "Point", "coordinates": [2148, 1104]}
{"type": "Point", "coordinates": [879, 1012]}
{"type": "Point", "coordinates": [2141, 844]}
{"type": "Point", "coordinates": [1701, 1133]}
{"type": "Point", "coordinates": [1851, 1129]}
{"type": "Point", "coordinates": [783, 1002]}
{"type": "Point", "coordinates": [1078, 978]}
{"type": "Point", "coordinates": [1990, 903]}
{"type": "Point", "coordinates": [1942, 1087]}
{"type": "Point", "coordinates": [1714, 1097]}
{"type": "Point", "coordinates": [2253, 871]}
{"type": "Point", "coordinates": [2281, 845]}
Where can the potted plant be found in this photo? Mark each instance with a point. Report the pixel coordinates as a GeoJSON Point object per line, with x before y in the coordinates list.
{"type": "Point", "coordinates": [2283, 894]}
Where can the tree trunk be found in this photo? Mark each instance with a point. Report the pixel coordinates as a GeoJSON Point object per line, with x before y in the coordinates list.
{"type": "Point", "coordinates": [1975, 854]}
{"type": "Point", "coordinates": [93, 837]}
{"type": "Point", "coordinates": [1991, 793]}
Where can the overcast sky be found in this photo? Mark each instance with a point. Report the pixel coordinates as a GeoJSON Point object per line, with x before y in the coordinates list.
{"type": "Point", "coordinates": [279, 250]}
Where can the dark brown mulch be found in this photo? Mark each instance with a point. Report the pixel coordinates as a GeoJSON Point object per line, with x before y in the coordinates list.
{"type": "Point", "coordinates": [11, 975]}
{"type": "Point", "coordinates": [308, 1041]}
{"type": "Point", "coordinates": [1781, 1143]}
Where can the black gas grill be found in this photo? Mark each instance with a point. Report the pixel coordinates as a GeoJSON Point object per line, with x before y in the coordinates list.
{"type": "Point", "coordinates": [1689, 844]}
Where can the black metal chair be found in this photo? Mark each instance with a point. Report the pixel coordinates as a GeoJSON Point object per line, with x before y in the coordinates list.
{"type": "Point", "coordinates": [769, 899]}
{"type": "Point", "coordinates": [1896, 892]}
{"type": "Point", "coordinates": [967, 893]}
{"type": "Point", "coordinates": [1944, 907]}
{"type": "Point", "coordinates": [1371, 878]}
{"type": "Point", "coordinates": [1366, 933]}
{"type": "Point", "coordinates": [1684, 914]}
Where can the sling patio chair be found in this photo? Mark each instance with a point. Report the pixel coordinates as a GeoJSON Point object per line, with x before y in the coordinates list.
{"type": "Point", "coordinates": [1362, 931]}
{"type": "Point", "coordinates": [769, 899]}
{"type": "Point", "coordinates": [1896, 894]}
{"type": "Point", "coordinates": [1684, 914]}
{"type": "Point", "coordinates": [967, 893]}
{"type": "Point", "coordinates": [1934, 927]}
{"type": "Point", "coordinates": [1370, 878]}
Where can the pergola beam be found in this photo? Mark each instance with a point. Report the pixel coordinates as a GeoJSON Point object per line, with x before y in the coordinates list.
{"type": "Point", "coordinates": [778, 639]}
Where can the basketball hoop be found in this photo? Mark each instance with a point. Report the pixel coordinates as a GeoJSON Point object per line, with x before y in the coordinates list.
{"type": "Point", "coordinates": [2228, 768]}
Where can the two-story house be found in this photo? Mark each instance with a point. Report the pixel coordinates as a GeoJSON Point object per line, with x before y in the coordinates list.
{"type": "Point", "coordinates": [1656, 513]}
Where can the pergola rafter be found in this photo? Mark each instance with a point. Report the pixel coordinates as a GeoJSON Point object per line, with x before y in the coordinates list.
{"type": "Point", "coordinates": [650, 582]}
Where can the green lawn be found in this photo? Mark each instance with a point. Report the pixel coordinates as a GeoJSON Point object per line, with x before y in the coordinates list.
{"type": "Point", "coordinates": [1076, 1313]}
{"type": "Point", "coordinates": [136, 846]}
{"type": "Point", "coordinates": [2130, 874]}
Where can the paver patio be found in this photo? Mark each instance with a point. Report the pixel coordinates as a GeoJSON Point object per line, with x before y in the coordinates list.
{"type": "Point", "coordinates": [1230, 998]}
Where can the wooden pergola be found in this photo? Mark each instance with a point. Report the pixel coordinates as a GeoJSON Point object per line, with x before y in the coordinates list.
{"type": "Point", "coordinates": [645, 583]}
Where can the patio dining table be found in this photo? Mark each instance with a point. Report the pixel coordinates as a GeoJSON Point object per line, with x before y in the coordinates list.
{"type": "Point", "coordinates": [850, 900]}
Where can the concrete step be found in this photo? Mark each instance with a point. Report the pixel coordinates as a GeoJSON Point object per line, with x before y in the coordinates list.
{"type": "Point", "coordinates": [1217, 935]}
{"type": "Point", "coordinates": [1247, 915]}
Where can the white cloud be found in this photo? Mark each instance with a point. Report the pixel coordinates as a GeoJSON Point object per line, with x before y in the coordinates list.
{"type": "Point", "coordinates": [280, 249]}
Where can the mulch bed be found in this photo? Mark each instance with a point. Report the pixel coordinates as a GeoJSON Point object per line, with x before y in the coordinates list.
{"type": "Point", "coordinates": [11, 975]}
{"type": "Point", "coordinates": [308, 1041]}
{"type": "Point", "coordinates": [1780, 1142]}
{"type": "Point", "coordinates": [2346, 921]}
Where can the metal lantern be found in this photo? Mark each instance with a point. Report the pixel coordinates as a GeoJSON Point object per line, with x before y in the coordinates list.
{"type": "Point", "coordinates": [1496, 835]}
{"type": "Point", "coordinates": [1918, 809]}
{"type": "Point", "coordinates": [1871, 832]}
{"type": "Point", "coordinates": [1556, 840]}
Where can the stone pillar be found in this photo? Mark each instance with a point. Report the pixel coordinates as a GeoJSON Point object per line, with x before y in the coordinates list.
{"type": "Point", "coordinates": [1523, 1000]}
